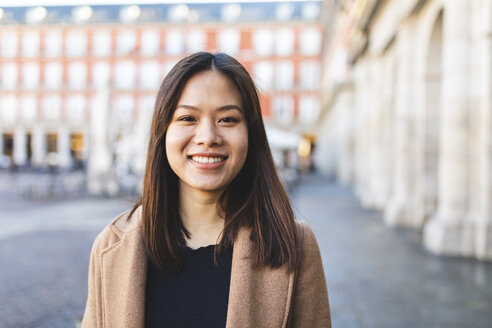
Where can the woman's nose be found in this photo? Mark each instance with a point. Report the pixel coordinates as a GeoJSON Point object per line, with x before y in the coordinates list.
{"type": "Point", "coordinates": [207, 134]}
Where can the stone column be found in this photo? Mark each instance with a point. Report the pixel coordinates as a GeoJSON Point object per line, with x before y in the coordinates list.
{"type": "Point", "coordinates": [361, 135]}
{"type": "Point", "coordinates": [367, 123]}
{"type": "Point", "coordinates": [398, 211]}
{"type": "Point", "coordinates": [38, 146]}
{"type": "Point", "coordinates": [345, 135]}
{"type": "Point", "coordinates": [375, 198]}
{"type": "Point", "coordinates": [1, 142]}
{"type": "Point", "coordinates": [64, 155]}
{"type": "Point", "coordinates": [483, 65]}
{"type": "Point", "coordinates": [20, 146]}
{"type": "Point", "coordinates": [100, 180]}
{"type": "Point", "coordinates": [444, 233]}
{"type": "Point", "coordinates": [387, 126]}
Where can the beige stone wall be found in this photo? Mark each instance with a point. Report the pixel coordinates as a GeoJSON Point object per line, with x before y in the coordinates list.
{"type": "Point", "coordinates": [411, 123]}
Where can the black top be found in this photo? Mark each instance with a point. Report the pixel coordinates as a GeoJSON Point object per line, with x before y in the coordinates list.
{"type": "Point", "coordinates": [196, 297]}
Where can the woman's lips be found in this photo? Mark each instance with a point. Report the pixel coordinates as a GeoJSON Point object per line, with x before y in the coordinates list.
{"type": "Point", "coordinates": [209, 162]}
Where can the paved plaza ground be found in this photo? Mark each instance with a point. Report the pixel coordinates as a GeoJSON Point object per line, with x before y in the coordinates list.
{"type": "Point", "coordinates": [377, 276]}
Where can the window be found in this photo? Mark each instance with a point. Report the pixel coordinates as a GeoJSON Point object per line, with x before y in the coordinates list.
{"type": "Point", "coordinates": [28, 107]}
{"type": "Point", "coordinates": [196, 41]}
{"type": "Point", "coordinates": [174, 42]}
{"type": "Point", "coordinates": [284, 42]}
{"type": "Point", "coordinates": [126, 42]}
{"type": "Point", "coordinates": [263, 42]}
{"type": "Point", "coordinates": [125, 74]}
{"type": "Point", "coordinates": [8, 108]}
{"type": "Point", "coordinates": [9, 76]}
{"type": "Point", "coordinates": [309, 109]}
{"type": "Point", "coordinates": [284, 75]}
{"type": "Point", "coordinates": [150, 75]}
{"type": "Point", "coordinates": [30, 44]}
{"type": "Point", "coordinates": [229, 41]}
{"type": "Point", "coordinates": [101, 43]}
{"type": "Point", "coordinates": [283, 109]}
{"type": "Point", "coordinates": [76, 108]}
{"type": "Point", "coordinates": [310, 75]}
{"type": "Point", "coordinates": [263, 75]}
{"type": "Point", "coordinates": [30, 75]}
{"type": "Point", "coordinates": [53, 74]}
{"type": "Point", "coordinates": [100, 74]}
{"type": "Point", "coordinates": [9, 44]}
{"type": "Point", "coordinates": [76, 45]}
{"type": "Point", "coordinates": [150, 43]}
{"type": "Point", "coordinates": [77, 75]}
{"type": "Point", "coordinates": [53, 43]}
{"type": "Point", "coordinates": [310, 42]}
{"type": "Point", "coordinates": [51, 107]}
{"type": "Point", "coordinates": [123, 108]}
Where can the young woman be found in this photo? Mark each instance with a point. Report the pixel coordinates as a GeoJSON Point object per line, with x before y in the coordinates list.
{"type": "Point", "coordinates": [213, 241]}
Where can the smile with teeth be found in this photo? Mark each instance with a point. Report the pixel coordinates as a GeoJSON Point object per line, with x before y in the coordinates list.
{"type": "Point", "coordinates": [204, 159]}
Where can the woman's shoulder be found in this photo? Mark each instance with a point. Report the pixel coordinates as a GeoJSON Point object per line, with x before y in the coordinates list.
{"type": "Point", "coordinates": [115, 231]}
{"type": "Point", "coordinates": [305, 233]}
{"type": "Point", "coordinates": [308, 243]}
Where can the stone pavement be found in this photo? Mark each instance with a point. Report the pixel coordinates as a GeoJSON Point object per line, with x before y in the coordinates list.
{"type": "Point", "coordinates": [44, 256]}
{"type": "Point", "coordinates": [377, 276]}
{"type": "Point", "coordinates": [381, 277]}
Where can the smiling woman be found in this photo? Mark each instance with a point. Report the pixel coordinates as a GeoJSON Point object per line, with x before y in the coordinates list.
{"type": "Point", "coordinates": [213, 241]}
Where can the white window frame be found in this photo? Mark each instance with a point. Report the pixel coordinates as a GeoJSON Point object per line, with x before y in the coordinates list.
{"type": "Point", "coordinates": [51, 107]}
{"type": "Point", "coordinates": [284, 75]}
{"type": "Point", "coordinates": [101, 43]}
{"type": "Point", "coordinates": [263, 42]}
{"type": "Point", "coordinates": [53, 43]}
{"type": "Point", "coordinates": [150, 42]}
{"type": "Point", "coordinates": [30, 75]}
{"type": "Point", "coordinates": [10, 75]}
{"type": "Point", "coordinates": [76, 43]}
{"type": "Point", "coordinates": [30, 44]}
{"type": "Point", "coordinates": [124, 75]}
{"type": "Point", "coordinates": [53, 75]}
{"type": "Point", "coordinates": [77, 75]}
{"type": "Point", "coordinates": [10, 43]}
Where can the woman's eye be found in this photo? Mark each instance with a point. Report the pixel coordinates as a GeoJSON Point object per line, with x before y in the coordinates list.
{"type": "Point", "coordinates": [186, 119]}
{"type": "Point", "coordinates": [228, 120]}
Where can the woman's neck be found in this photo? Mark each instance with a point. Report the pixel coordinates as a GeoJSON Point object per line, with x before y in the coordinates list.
{"type": "Point", "coordinates": [199, 214]}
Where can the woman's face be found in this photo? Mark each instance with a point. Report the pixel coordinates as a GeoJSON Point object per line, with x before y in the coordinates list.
{"type": "Point", "coordinates": [207, 139]}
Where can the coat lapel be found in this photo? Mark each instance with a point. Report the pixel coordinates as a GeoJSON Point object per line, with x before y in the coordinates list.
{"type": "Point", "coordinates": [257, 298]}
{"type": "Point", "coordinates": [124, 272]}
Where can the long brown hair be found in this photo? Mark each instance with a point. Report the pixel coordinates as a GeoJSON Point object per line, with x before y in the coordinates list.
{"type": "Point", "coordinates": [255, 198]}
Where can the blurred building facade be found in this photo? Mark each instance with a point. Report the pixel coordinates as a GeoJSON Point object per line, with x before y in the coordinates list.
{"type": "Point", "coordinates": [78, 83]}
{"type": "Point", "coordinates": [407, 113]}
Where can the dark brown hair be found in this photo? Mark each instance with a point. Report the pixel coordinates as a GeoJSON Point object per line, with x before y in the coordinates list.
{"type": "Point", "coordinates": [255, 198]}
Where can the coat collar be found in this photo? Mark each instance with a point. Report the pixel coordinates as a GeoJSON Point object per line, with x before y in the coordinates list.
{"type": "Point", "coordinates": [257, 297]}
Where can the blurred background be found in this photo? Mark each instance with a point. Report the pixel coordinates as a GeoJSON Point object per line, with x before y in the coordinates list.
{"type": "Point", "coordinates": [378, 113]}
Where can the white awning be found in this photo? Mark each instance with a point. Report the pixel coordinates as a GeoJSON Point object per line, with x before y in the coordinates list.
{"type": "Point", "coordinates": [281, 139]}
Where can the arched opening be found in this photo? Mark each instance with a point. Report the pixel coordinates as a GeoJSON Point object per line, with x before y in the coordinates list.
{"type": "Point", "coordinates": [433, 105]}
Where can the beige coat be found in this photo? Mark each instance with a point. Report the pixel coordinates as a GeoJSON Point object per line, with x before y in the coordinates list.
{"type": "Point", "coordinates": [258, 298]}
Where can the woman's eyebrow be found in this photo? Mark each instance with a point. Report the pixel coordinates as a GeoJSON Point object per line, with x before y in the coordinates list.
{"type": "Point", "coordinates": [229, 107]}
{"type": "Point", "coordinates": [220, 109]}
